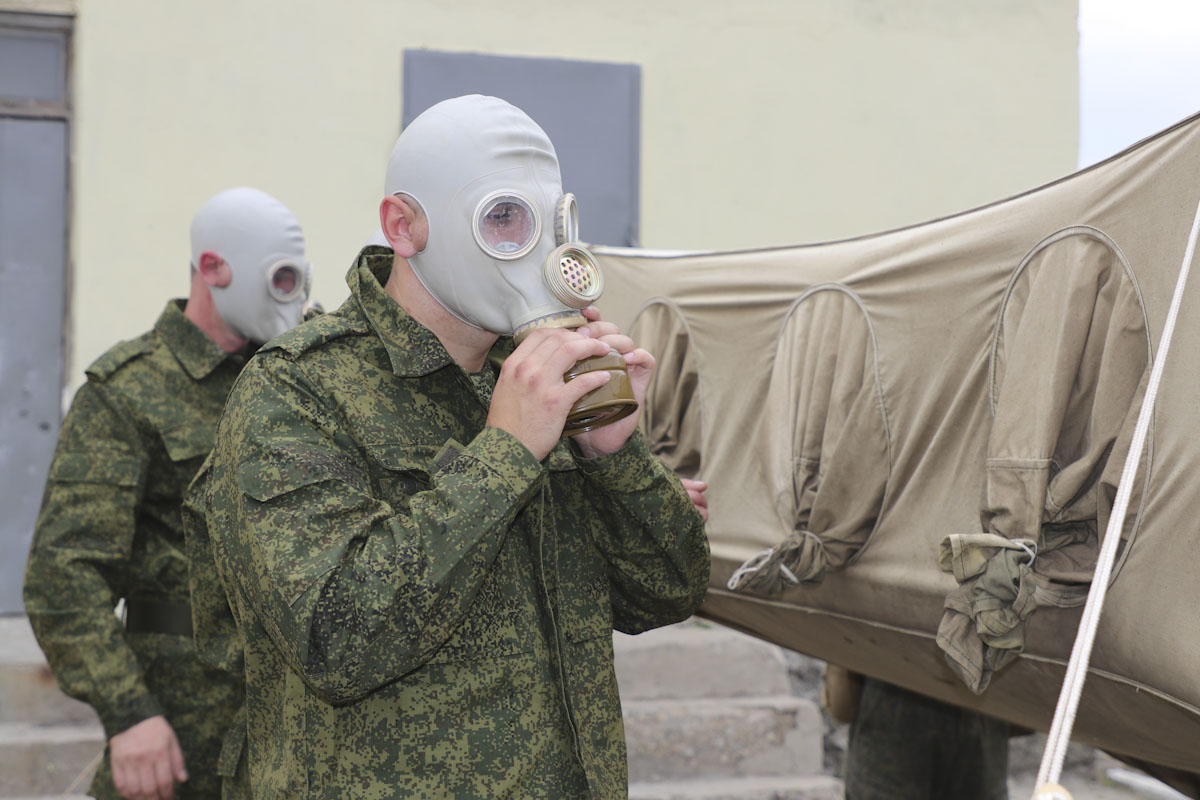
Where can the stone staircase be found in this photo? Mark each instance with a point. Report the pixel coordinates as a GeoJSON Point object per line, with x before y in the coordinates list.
{"type": "Point", "coordinates": [46, 738]}
{"type": "Point", "coordinates": [711, 714]}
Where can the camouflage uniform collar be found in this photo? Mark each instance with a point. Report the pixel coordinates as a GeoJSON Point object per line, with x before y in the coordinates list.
{"type": "Point", "coordinates": [198, 354]}
{"type": "Point", "coordinates": [413, 348]}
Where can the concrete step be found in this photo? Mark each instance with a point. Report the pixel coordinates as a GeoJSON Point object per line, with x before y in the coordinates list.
{"type": "Point", "coordinates": [698, 659]}
{"type": "Point", "coordinates": [28, 692]}
{"type": "Point", "coordinates": [46, 759]}
{"type": "Point", "coordinates": [727, 738]}
{"type": "Point", "coordinates": [811, 787]}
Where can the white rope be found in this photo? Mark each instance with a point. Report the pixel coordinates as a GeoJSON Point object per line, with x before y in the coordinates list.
{"type": "Point", "coordinates": [748, 567]}
{"type": "Point", "coordinates": [1030, 548]}
{"type": "Point", "coordinates": [1081, 653]}
{"type": "Point", "coordinates": [757, 561]}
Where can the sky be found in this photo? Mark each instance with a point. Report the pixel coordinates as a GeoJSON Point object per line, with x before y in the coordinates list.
{"type": "Point", "coordinates": [1139, 71]}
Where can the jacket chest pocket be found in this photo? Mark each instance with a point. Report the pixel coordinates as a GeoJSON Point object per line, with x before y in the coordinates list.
{"type": "Point", "coordinates": [187, 444]}
{"type": "Point", "coordinates": [399, 471]}
{"type": "Point", "coordinates": [188, 440]}
{"type": "Point", "coordinates": [502, 620]}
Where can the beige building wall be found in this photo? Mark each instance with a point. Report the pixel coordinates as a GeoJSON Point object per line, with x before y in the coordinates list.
{"type": "Point", "coordinates": [764, 122]}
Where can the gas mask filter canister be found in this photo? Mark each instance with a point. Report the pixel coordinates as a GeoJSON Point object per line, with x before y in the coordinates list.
{"type": "Point", "coordinates": [573, 276]}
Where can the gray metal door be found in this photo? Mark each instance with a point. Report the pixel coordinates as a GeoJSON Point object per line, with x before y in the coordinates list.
{"type": "Point", "coordinates": [590, 110]}
{"type": "Point", "coordinates": [33, 271]}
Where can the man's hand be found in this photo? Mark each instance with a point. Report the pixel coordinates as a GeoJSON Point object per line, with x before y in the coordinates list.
{"type": "Point", "coordinates": [531, 401]}
{"type": "Point", "coordinates": [696, 490]}
{"type": "Point", "coordinates": [147, 761]}
{"type": "Point", "coordinates": [640, 366]}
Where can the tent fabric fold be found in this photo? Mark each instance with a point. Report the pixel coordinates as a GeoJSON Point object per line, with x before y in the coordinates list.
{"type": "Point", "coordinates": [825, 383]}
{"type": "Point", "coordinates": [671, 418]}
{"type": "Point", "coordinates": [1070, 346]}
{"type": "Point", "coordinates": [926, 427]}
{"type": "Point", "coordinates": [830, 484]}
{"type": "Point", "coordinates": [983, 628]}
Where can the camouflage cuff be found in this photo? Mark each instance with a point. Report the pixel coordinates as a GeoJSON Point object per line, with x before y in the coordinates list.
{"type": "Point", "coordinates": [122, 716]}
{"type": "Point", "coordinates": [630, 469]}
{"type": "Point", "coordinates": [504, 456]}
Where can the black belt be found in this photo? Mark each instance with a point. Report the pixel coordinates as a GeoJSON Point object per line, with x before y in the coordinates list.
{"type": "Point", "coordinates": [158, 616]}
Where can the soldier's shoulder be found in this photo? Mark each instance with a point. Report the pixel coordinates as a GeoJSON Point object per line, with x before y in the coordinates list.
{"type": "Point", "coordinates": [121, 355]}
{"type": "Point", "coordinates": [315, 334]}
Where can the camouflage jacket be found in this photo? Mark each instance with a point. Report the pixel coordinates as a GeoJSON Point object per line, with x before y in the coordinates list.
{"type": "Point", "coordinates": [110, 528]}
{"type": "Point", "coordinates": [214, 629]}
{"type": "Point", "coordinates": [427, 611]}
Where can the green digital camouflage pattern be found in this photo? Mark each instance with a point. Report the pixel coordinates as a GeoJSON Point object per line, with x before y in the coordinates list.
{"type": "Point", "coordinates": [218, 642]}
{"type": "Point", "coordinates": [110, 527]}
{"type": "Point", "coordinates": [427, 611]}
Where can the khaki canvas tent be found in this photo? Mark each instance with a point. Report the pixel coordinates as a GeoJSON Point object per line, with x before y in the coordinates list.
{"type": "Point", "coordinates": [913, 440]}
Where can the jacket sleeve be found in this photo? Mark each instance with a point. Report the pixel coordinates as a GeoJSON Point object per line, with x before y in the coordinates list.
{"type": "Point", "coordinates": [214, 629]}
{"type": "Point", "coordinates": [80, 556]}
{"type": "Point", "coordinates": [353, 593]}
{"type": "Point", "coordinates": [651, 537]}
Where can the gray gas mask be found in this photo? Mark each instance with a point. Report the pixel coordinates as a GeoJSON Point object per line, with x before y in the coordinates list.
{"type": "Point", "coordinates": [503, 252]}
{"type": "Point", "coordinates": [261, 241]}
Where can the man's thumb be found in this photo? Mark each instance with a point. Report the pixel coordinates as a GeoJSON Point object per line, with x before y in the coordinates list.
{"type": "Point", "coordinates": [177, 765]}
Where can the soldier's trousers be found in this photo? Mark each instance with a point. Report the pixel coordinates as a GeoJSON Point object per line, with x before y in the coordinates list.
{"type": "Point", "coordinates": [904, 746]}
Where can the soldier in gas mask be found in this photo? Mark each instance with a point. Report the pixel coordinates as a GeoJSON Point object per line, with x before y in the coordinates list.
{"type": "Point", "coordinates": [425, 571]}
{"type": "Point", "coordinates": [110, 528]}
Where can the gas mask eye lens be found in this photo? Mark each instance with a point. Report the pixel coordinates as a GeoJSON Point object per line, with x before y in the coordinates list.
{"type": "Point", "coordinates": [286, 281]}
{"type": "Point", "coordinates": [506, 225]}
